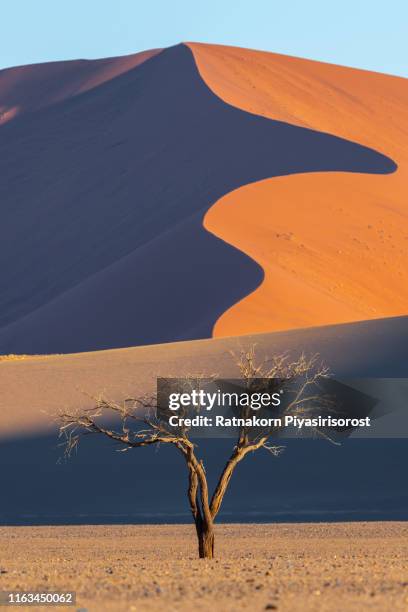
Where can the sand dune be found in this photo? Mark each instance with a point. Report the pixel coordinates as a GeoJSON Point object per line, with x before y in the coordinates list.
{"type": "Point", "coordinates": [103, 196]}
{"type": "Point", "coordinates": [334, 247]}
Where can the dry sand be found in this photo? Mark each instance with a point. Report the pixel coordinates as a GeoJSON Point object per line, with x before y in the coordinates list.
{"type": "Point", "coordinates": [352, 566]}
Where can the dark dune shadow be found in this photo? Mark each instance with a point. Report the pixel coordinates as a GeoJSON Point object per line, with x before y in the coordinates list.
{"type": "Point", "coordinates": [102, 200]}
{"type": "Point", "coordinates": [311, 481]}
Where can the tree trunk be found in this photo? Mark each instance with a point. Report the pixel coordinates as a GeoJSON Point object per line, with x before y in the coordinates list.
{"type": "Point", "coordinates": [205, 535]}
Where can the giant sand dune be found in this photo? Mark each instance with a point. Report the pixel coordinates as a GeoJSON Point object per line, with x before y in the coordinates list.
{"type": "Point", "coordinates": [104, 187]}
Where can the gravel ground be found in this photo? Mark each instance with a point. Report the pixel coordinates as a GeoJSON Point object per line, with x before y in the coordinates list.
{"type": "Point", "coordinates": [343, 566]}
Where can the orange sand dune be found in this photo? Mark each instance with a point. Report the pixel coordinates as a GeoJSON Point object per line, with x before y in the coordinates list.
{"type": "Point", "coordinates": [28, 88]}
{"type": "Point", "coordinates": [334, 246]}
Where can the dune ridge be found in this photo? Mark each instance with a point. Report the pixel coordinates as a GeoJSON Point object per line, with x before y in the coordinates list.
{"type": "Point", "coordinates": [333, 246]}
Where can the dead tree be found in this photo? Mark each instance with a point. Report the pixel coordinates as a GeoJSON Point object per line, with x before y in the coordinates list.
{"type": "Point", "coordinates": [301, 377]}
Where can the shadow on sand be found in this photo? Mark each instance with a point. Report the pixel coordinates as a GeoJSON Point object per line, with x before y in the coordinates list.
{"type": "Point", "coordinates": [311, 481]}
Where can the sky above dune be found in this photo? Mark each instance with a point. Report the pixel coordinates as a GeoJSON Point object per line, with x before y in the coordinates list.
{"type": "Point", "coordinates": [369, 34]}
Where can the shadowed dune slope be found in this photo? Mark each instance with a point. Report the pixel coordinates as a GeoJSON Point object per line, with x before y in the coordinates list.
{"type": "Point", "coordinates": [27, 88]}
{"type": "Point", "coordinates": [102, 199]}
{"type": "Point", "coordinates": [333, 246]}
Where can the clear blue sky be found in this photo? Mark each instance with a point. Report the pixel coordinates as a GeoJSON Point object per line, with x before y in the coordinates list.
{"type": "Point", "coordinates": [371, 34]}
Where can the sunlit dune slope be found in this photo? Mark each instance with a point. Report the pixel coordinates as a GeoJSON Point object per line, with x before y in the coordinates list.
{"type": "Point", "coordinates": [334, 246]}
{"type": "Point", "coordinates": [28, 88]}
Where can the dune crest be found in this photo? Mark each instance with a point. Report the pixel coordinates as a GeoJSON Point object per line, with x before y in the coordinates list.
{"type": "Point", "coordinates": [332, 245]}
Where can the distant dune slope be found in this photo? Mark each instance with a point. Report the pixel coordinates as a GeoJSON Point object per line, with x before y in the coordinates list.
{"type": "Point", "coordinates": [36, 387]}
{"type": "Point", "coordinates": [333, 246]}
{"type": "Point", "coordinates": [102, 198]}
{"type": "Point", "coordinates": [27, 88]}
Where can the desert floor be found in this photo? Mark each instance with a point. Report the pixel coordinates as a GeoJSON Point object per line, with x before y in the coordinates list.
{"type": "Point", "coordinates": [349, 566]}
